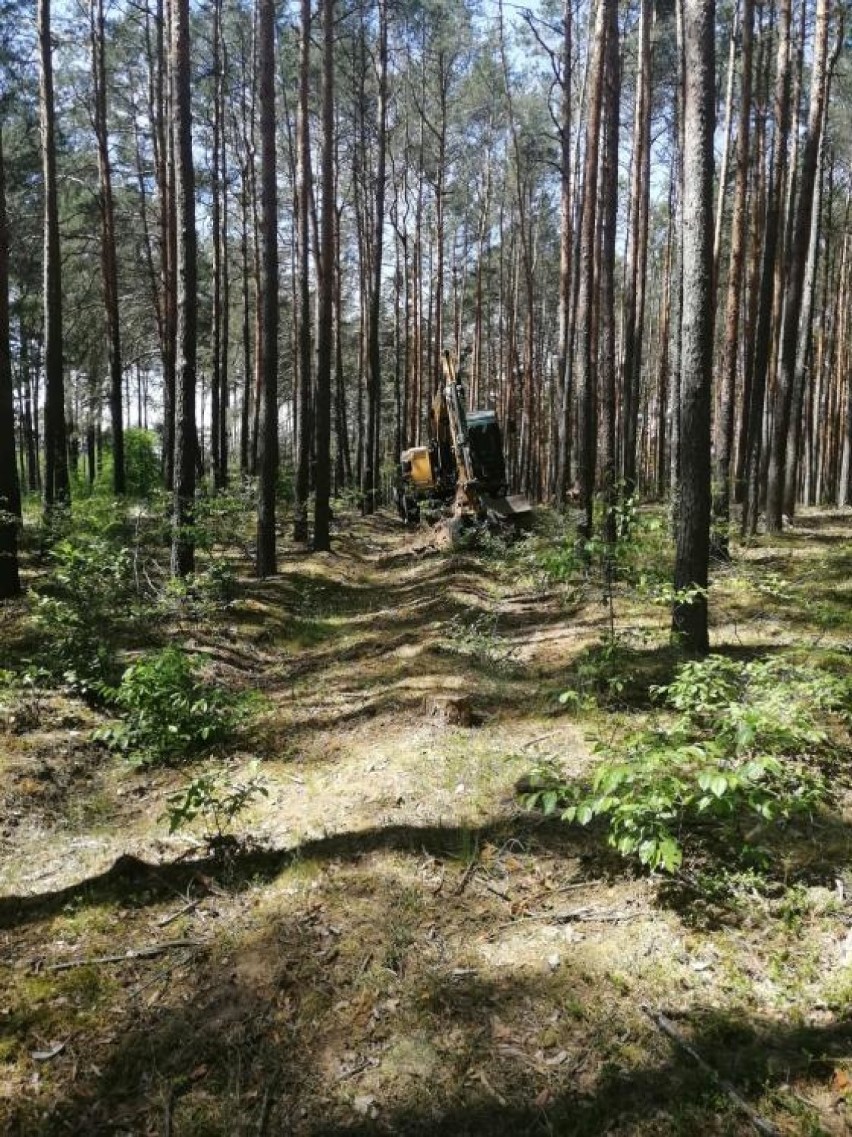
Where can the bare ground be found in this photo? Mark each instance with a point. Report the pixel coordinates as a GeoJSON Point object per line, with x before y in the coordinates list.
{"type": "Point", "coordinates": [402, 949]}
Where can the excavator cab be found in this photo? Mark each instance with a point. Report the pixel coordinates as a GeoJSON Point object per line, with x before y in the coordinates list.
{"type": "Point", "coordinates": [463, 467]}
{"type": "Point", "coordinates": [486, 451]}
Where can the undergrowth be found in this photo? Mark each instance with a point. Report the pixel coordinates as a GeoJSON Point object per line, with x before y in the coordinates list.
{"type": "Point", "coordinates": [169, 713]}
{"type": "Point", "coordinates": [743, 749]}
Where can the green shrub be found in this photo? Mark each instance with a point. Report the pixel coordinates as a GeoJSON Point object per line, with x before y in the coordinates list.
{"type": "Point", "coordinates": [217, 800]}
{"type": "Point", "coordinates": [141, 463]}
{"type": "Point", "coordinates": [88, 593]}
{"type": "Point", "coordinates": [169, 713]}
{"type": "Point", "coordinates": [743, 751]}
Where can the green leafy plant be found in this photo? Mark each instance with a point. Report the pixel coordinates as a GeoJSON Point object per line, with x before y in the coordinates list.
{"type": "Point", "coordinates": [88, 593]}
{"type": "Point", "coordinates": [217, 800]}
{"type": "Point", "coordinates": [478, 637]}
{"type": "Point", "coordinates": [23, 697]}
{"type": "Point", "coordinates": [169, 712]}
{"type": "Point", "coordinates": [742, 752]}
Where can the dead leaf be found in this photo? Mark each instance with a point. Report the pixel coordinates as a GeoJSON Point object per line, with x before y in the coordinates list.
{"type": "Point", "coordinates": [841, 1082]}
{"type": "Point", "coordinates": [543, 1099]}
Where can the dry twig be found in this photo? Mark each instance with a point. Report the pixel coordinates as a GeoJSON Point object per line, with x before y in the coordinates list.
{"type": "Point", "coordinates": [133, 953]}
{"type": "Point", "coordinates": [764, 1127]}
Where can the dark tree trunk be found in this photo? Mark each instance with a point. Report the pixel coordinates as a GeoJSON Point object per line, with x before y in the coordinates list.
{"type": "Point", "coordinates": [186, 442]}
{"type": "Point", "coordinates": [689, 613]}
{"type": "Point", "coordinates": [609, 219]}
{"type": "Point", "coordinates": [56, 486]}
{"type": "Point", "coordinates": [763, 336]}
{"type": "Point", "coordinates": [109, 257]}
{"type": "Point", "coordinates": [268, 432]}
{"type": "Point", "coordinates": [584, 328]}
{"type": "Point", "coordinates": [370, 486]}
{"type": "Point", "coordinates": [562, 432]}
{"type": "Point", "coordinates": [303, 402]}
{"type": "Point", "coordinates": [728, 374]}
{"type": "Point", "coordinates": [634, 300]}
{"type": "Point", "coordinates": [325, 328]}
{"type": "Point", "coordinates": [794, 276]}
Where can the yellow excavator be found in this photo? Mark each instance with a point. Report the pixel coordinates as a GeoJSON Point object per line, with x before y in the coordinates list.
{"type": "Point", "coordinates": [460, 473]}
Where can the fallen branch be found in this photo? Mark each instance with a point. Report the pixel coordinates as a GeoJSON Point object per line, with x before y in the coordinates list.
{"type": "Point", "coordinates": [190, 907]}
{"type": "Point", "coordinates": [465, 879]}
{"type": "Point", "coordinates": [133, 953]}
{"type": "Point", "coordinates": [540, 738]}
{"type": "Point", "coordinates": [764, 1127]}
{"type": "Point", "coordinates": [578, 915]}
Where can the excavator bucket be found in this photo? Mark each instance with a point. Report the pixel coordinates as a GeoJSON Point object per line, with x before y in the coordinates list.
{"type": "Point", "coordinates": [513, 509]}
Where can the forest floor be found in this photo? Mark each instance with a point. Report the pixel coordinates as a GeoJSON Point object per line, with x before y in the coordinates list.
{"type": "Point", "coordinates": [400, 947]}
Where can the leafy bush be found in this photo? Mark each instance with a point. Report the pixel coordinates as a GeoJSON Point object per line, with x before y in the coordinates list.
{"type": "Point", "coordinates": [169, 712]}
{"type": "Point", "coordinates": [477, 637]}
{"type": "Point", "coordinates": [742, 752]}
{"type": "Point", "coordinates": [86, 595]}
{"type": "Point", "coordinates": [141, 463]}
{"type": "Point", "coordinates": [217, 800]}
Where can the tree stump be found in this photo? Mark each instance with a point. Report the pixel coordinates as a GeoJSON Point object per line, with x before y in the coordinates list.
{"type": "Point", "coordinates": [452, 710]}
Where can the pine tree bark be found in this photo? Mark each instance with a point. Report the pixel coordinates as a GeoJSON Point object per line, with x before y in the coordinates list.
{"type": "Point", "coordinates": [689, 612]}
{"type": "Point", "coordinates": [10, 496]}
{"type": "Point", "coordinates": [561, 434]}
{"type": "Point", "coordinates": [724, 440]}
{"type": "Point", "coordinates": [186, 442]}
{"type": "Point", "coordinates": [268, 431]}
{"type": "Point", "coordinates": [634, 300]}
{"type": "Point", "coordinates": [584, 326]}
{"type": "Point", "coordinates": [763, 335]}
{"type": "Point", "coordinates": [303, 402]}
{"type": "Point", "coordinates": [325, 323]}
{"type": "Point", "coordinates": [109, 256]}
{"type": "Point", "coordinates": [372, 433]}
{"type": "Point", "coordinates": [56, 485]}
{"type": "Point", "coordinates": [609, 220]}
{"type": "Point", "coordinates": [794, 276]}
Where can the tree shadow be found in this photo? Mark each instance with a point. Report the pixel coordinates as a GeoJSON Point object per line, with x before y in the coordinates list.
{"type": "Point", "coordinates": [282, 1030]}
{"type": "Point", "coordinates": [133, 882]}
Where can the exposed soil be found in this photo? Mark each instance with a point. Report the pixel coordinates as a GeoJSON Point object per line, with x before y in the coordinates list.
{"type": "Point", "coordinates": [400, 948]}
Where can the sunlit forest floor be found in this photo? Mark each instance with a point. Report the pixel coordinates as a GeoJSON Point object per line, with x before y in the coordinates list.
{"type": "Point", "coordinates": [388, 942]}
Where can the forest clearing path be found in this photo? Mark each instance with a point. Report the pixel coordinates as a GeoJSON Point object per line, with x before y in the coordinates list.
{"type": "Point", "coordinates": [404, 950]}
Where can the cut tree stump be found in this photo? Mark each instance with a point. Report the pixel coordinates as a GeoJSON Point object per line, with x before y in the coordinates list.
{"type": "Point", "coordinates": [453, 710]}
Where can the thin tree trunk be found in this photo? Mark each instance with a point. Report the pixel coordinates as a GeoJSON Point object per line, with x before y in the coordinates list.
{"type": "Point", "coordinates": [689, 612]}
{"type": "Point", "coordinates": [109, 258]}
{"type": "Point", "coordinates": [268, 432]}
{"type": "Point", "coordinates": [56, 485]}
{"type": "Point", "coordinates": [609, 219]}
{"type": "Point", "coordinates": [584, 328]}
{"type": "Point", "coordinates": [374, 362]}
{"type": "Point", "coordinates": [10, 496]}
{"type": "Point", "coordinates": [634, 302]}
{"type": "Point", "coordinates": [303, 424]}
{"type": "Point", "coordinates": [727, 383]}
{"type": "Point", "coordinates": [325, 323]}
{"type": "Point", "coordinates": [186, 441]}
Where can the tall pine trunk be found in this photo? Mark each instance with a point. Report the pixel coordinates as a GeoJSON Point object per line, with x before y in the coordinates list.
{"type": "Point", "coordinates": [689, 612]}
{"type": "Point", "coordinates": [56, 485]}
{"type": "Point", "coordinates": [10, 497]}
{"type": "Point", "coordinates": [325, 323]}
{"type": "Point", "coordinates": [268, 432]}
{"type": "Point", "coordinates": [186, 442]}
{"type": "Point", "coordinates": [727, 383]}
{"type": "Point", "coordinates": [109, 256]}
